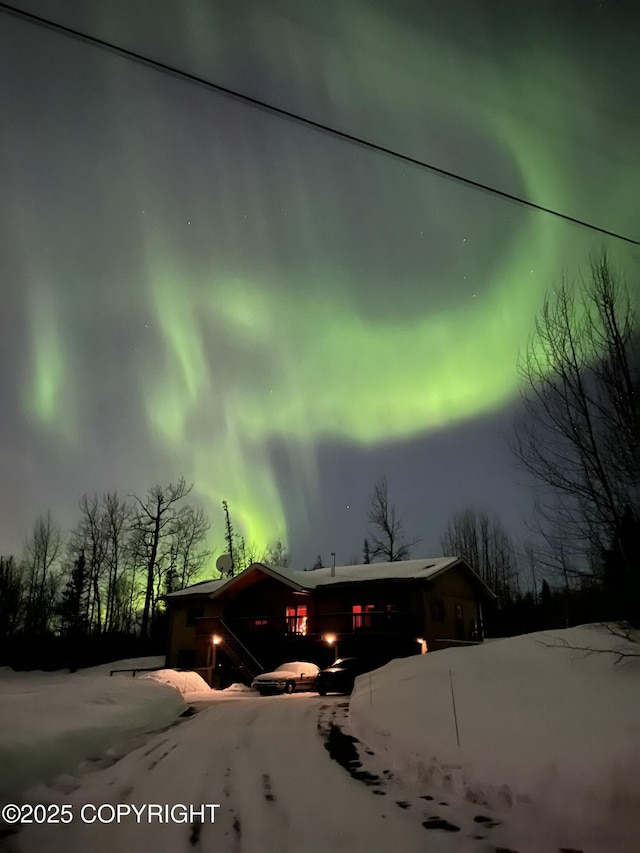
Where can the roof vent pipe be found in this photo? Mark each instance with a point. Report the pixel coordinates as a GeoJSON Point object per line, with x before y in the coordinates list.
{"type": "Point", "coordinates": [333, 564]}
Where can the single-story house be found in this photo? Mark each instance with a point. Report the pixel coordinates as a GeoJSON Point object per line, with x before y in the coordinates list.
{"type": "Point", "coordinates": [268, 614]}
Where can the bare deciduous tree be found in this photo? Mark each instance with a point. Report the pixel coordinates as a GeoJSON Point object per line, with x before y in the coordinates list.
{"type": "Point", "coordinates": [11, 596]}
{"type": "Point", "coordinates": [579, 435]}
{"type": "Point", "coordinates": [244, 553]}
{"type": "Point", "coordinates": [154, 521]}
{"type": "Point", "coordinates": [487, 548]}
{"type": "Point", "coordinates": [43, 549]}
{"type": "Point", "coordinates": [387, 539]}
{"type": "Point", "coordinates": [188, 549]}
{"type": "Point", "coordinates": [116, 520]}
{"type": "Point", "coordinates": [88, 537]}
{"type": "Point", "coordinates": [276, 554]}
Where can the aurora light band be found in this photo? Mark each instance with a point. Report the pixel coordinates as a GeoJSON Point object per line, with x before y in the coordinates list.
{"type": "Point", "coordinates": [233, 284]}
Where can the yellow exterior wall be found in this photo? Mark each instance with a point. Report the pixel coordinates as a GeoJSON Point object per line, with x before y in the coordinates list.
{"type": "Point", "coordinates": [183, 636]}
{"type": "Point", "coordinates": [455, 590]}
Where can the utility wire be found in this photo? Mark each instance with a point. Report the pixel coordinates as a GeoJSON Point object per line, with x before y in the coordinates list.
{"type": "Point", "coordinates": [316, 125]}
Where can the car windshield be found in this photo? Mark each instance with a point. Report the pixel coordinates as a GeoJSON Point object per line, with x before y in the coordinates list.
{"type": "Point", "coordinates": [345, 663]}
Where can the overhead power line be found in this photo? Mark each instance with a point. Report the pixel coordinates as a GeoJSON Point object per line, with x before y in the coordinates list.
{"type": "Point", "coordinates": [316, 125]}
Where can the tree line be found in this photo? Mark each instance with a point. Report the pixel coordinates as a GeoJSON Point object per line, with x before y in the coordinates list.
{"type": "Point", "coordinates": [98, 592]}
{"type": "Point", "coordinates": [103, 582]}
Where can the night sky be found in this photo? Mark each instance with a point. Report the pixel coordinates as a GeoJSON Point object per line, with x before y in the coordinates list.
{"type": "Point", "coordinates": [193, 286]}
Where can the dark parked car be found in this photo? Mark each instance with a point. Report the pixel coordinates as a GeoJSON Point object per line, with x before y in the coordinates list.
{"type": "Point", "coordinates": [341, 675]}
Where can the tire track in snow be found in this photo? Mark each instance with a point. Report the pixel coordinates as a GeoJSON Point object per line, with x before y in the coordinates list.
{"type": "Point", "coordinates": [265, 763]}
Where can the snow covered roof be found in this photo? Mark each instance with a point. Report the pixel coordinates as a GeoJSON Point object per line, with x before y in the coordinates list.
{"type": "Point", "coordinates": [426, 568]}
{"type": "Point", "coordinates": [202, 588]}
{"type": "Point", "coordinates": [423, 569]}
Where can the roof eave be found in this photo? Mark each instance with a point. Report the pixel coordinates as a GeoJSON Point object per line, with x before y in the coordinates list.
{"type": "Point", "coordinates": [266, 569]}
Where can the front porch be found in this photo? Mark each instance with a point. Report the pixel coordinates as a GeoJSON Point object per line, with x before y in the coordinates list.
{"type": "Point", "coordinates": [249, 645]}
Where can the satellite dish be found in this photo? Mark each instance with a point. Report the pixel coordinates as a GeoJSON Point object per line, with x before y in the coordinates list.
{"type": "Point", "coordinates": [224, 564]}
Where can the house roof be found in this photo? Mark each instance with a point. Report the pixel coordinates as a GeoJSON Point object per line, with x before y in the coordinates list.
{"type": "Point", "coordinates": [201, 588]}
{"type": "Point", "coordinates": [424, 569]}
{"type": "Point", "coordinates": [427, 568]}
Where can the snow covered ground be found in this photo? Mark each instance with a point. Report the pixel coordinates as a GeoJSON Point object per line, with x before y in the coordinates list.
{"type": "Point", "coordinates": [50, 722]}
{"type": "Point", "coordinates": [549, 757]}
{"type": "Point", "coordinates": [549, 734]}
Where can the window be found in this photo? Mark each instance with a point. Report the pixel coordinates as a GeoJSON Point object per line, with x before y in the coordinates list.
{"type": "Point", "coordinates": [361, 616]}
{"type": "Point", "coordinates": [437, 609]}
{"type": "Point", "coordinates": [368, 620]}
{"type": "Point", "coordinates": [297, 619]}
{"type": "Point", "coordinates": [194, 613]}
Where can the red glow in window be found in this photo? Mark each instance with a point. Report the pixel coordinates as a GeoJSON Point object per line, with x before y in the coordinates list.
{"type": "Point", "coordinates": [297, 619]}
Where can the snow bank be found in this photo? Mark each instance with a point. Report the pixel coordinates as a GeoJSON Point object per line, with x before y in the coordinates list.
{"type": "Point", "coordinates": [539, 722]}
{"type": "Point", "coordinates": [207, 696]}
{"type": "Point", "coordinates": [238, 689]}
{"type": "Point", "coordinates": [184, 682]}
{"type": "Point", "coordinates": [50, 722]}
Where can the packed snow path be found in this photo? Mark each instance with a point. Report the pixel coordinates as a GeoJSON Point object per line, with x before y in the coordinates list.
{"type": "Point", "coordinates": [266, 762]}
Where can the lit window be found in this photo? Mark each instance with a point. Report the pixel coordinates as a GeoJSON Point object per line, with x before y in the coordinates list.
{"type": "Point", "coordinates": [368, 620]}
{"type": "Point", "coordinates": [361, 617]}
{"type": "Point", "coordinates": [297, 619]}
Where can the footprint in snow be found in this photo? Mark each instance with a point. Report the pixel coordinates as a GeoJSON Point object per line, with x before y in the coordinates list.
{"type": "Point", "coordinates": [266, 785]}
{"type": "Point", "coordinates": [489, 822]}
{"type": "Point", "coordinates": [440, 823]}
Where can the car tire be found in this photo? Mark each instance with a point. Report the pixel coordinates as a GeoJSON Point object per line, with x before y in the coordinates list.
{"type": "Point", "coordinates": [322, 691]}
{"type": "Point", "coordinates": [289, 687]}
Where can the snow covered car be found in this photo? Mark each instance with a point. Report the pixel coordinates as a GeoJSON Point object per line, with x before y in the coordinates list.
{"type": "Point", "coordinates": [297, 675]}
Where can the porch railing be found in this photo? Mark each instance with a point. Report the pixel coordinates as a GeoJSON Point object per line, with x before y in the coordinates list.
{"type": "Point", "coordinates": [230, 643]}
{"type": "Point", "coordinates": [371, 622]}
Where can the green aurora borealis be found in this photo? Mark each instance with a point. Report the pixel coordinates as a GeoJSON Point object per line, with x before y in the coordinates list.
{"type": "Point", "coordinates": [204, 288]}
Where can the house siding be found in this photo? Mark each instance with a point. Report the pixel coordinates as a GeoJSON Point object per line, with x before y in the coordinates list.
{"type": "Point", "coordinates": [390, 616]}
{"type": "Point", "coordinates": [267, 598]}
{"type": "Point", "coordinates": [182, 636]}
{"type": "Point", "coordinates": [459, 599]}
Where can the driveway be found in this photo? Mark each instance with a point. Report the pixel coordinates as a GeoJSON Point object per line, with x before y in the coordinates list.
{"type": "Point", "coordinates": [270, 774]}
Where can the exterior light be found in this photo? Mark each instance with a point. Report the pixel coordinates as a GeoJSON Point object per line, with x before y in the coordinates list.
{"type": "Point", "coordinates": [332, 640]}
{"type": "Point", "coordinates": [216, 640]}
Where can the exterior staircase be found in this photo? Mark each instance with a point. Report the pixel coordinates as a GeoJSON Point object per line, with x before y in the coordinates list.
{"type": "Point", "coordinates": [231, 645]}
